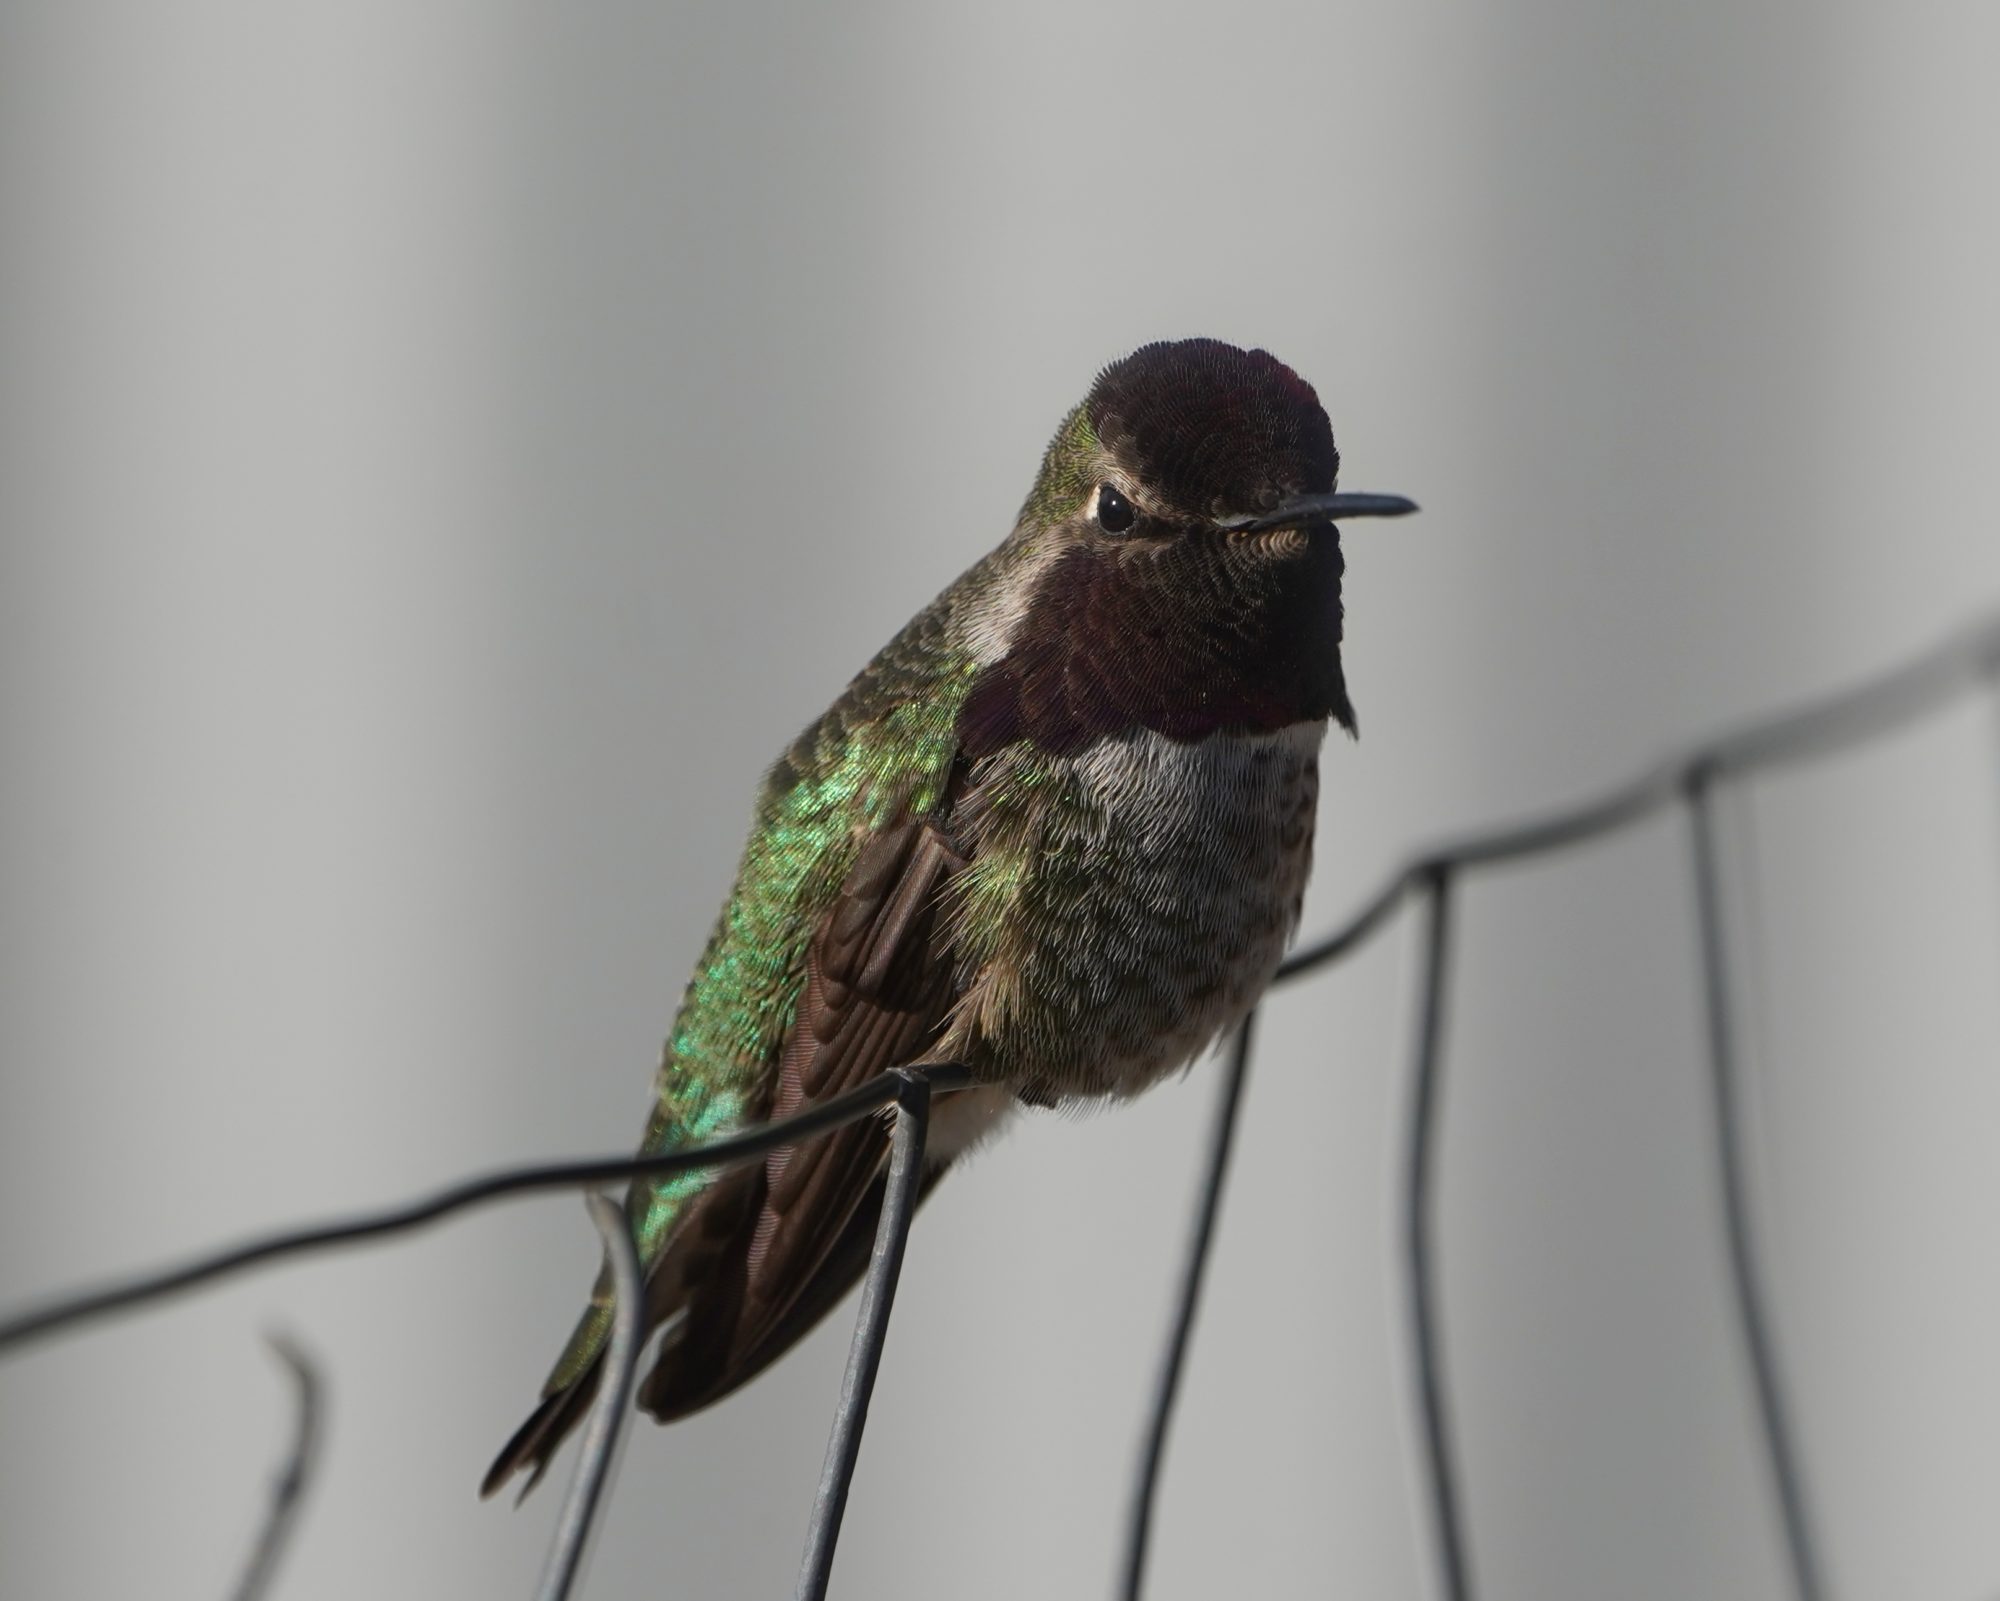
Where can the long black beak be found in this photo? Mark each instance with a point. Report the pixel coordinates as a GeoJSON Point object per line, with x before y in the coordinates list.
{"type": "Point", "coordinates": [1321, 509]}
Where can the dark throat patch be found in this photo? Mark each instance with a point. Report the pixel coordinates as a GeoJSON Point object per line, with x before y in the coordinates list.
{"type": "Point", "coordinates": [1191, 637]}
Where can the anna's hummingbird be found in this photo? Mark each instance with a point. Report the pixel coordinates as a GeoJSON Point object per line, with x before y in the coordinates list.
{"type": "Point", "coordinates": [1058, 830]}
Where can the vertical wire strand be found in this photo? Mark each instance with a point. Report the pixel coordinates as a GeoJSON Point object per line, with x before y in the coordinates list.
{"type": "Point", "coordinates": [871, 1327]}
{"type": "Point", "coordinates": [1993, 728]}
{"type": "Point", "coordinates": [294, 1477]}
{"type": "Point", "coordinates": [1221, 1141]}
{"type": "Point", "coordinates": [1750, 1031]}
{"type": "Point", "coordinates": [1780, 1451]}
{"type": "Point", "coordinates": [1420, 1220]}
{"type": "Point", "coordinates": [613, 1410]}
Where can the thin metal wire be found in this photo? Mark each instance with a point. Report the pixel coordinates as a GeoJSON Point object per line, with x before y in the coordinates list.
{"type": "Point", "coordinates": [1221, 1141]}
{"type": "Point", "coordinates": [294, 1475]}
{"type": "Point", "coordinates": [613, 1409]}
{"type": "Point", "coordinates": [1993, 726]}
{"type": "Point", "coordinates": [1813, 729]}
{"type": "Point", "coordinates": [871, 1328]}
{"type": "Point", "coordinates": [1781, 1454]}
{"type": "Point", "coordinates": [1420, 1225]}
{"type": "Point", "coordinates": [139, 1289]}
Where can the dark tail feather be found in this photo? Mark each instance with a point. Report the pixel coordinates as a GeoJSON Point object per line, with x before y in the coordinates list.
{"type": "Point", "coordinates": [702, 1357]}
{"type": "Point", "coordinates": [695, 1374]}
{"type": "Point", "coordinates": [536, 1442]}
{"type": "Point", "coordinates": [695, 1247]}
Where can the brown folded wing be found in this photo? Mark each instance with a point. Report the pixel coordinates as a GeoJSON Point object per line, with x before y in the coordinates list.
{"type": "Point", "coordinates": [767, 1251]}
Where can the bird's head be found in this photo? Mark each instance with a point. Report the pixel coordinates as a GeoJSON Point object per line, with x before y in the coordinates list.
{"type": "Point", "coordinates": [1178, 560]}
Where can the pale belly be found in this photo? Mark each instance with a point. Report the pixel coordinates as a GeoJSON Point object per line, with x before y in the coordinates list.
{"type": "Point", "coordinates": [1155, 910]}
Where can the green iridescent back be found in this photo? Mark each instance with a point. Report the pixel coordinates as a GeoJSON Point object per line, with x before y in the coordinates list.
{"type": "Point", "coordinates": [884, 749]}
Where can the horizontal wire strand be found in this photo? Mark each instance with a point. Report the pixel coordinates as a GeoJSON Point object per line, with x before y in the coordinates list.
{"type": "Point", "coordinates": [1818, 727]}
{"type": "Point", "coordinates": [138, 1289]}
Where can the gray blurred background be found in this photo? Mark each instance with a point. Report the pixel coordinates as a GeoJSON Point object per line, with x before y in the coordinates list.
{"type": "Point", "coordinates": [446, 450]}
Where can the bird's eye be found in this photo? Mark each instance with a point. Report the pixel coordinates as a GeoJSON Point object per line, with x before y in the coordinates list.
{"type": "Point", "coordinates": [1114, 512]}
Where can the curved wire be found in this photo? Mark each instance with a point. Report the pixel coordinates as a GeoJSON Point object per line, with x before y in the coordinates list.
{"type": "Point", "coordinates": [613, 1408]}
{"type": "Point", "coordinates": [1221, 1140]}
{"type": "Point", "coordinates": [1812, 729]}
{"type": "Point", "coordinates": [294, 1476]}
{"type": "Point", "coordinates": [857, 1103]}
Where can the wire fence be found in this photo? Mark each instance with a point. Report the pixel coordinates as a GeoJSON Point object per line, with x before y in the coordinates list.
{"type": "Point", "coordinates": [1963, 664]}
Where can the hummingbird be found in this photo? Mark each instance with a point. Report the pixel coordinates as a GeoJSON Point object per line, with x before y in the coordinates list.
{"type": "Point", "coordinates": [1058, 830]}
